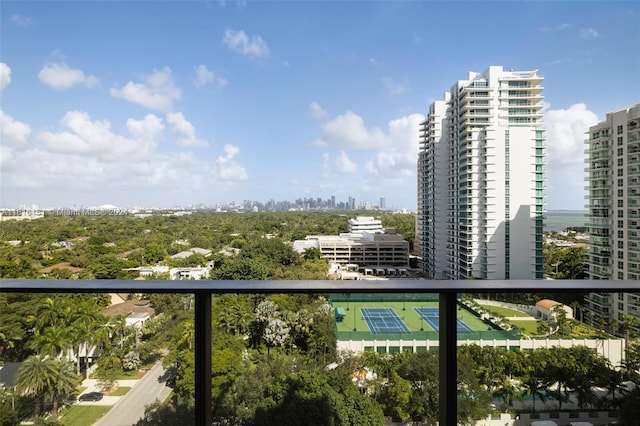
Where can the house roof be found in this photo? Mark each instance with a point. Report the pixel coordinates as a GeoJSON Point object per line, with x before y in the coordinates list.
{"type": "Point", "coordinates": [191, 252]}
{"type": "Point", "coordinates": [8, 373]}
{"type": "Point", "coordinates": [125, 308]}
{"type": "Point", "coordinates": [547, 303]}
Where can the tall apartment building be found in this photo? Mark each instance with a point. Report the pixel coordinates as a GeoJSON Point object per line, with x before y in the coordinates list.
{"type": "Point", "coordinates": [481, 179]}
{"type": "Point", "coordinates": [613, 176]}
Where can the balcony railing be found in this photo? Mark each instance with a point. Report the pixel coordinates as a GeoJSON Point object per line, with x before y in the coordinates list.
{"type": "Point", "coordinates": [203, 290]}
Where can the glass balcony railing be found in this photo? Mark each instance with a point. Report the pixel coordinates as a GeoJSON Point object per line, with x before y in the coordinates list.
{"type": "Point", "coordinates": [447, 291]}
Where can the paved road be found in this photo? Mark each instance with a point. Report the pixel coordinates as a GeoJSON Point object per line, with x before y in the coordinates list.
{"type": "Point", "coordinates": [129, 408]}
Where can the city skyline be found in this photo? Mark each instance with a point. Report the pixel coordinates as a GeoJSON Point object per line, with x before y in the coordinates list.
{"type": "Point", "coordinates": [208, 103]}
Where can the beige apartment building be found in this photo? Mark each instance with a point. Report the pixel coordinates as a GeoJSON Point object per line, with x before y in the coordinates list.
{"type": "Point", "coordinates": [613, 177]}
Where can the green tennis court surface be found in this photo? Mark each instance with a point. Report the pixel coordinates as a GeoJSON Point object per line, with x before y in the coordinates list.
{"type": "Point", "coordinates": [405, 317]}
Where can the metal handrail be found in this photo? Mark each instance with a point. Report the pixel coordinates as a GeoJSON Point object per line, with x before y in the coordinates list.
{"type": "Point", "coordinates": [203, 290]}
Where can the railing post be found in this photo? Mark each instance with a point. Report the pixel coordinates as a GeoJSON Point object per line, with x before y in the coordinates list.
{"type": "Point", "coordinates": [448, 360]}
{"type": "Point", "coordinates": [202, 324]}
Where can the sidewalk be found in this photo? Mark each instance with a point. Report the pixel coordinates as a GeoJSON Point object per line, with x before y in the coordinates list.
{"type": "Point", "coordinates": [92, 386]}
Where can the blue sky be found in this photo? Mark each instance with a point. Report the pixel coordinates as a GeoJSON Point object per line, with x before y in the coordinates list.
{"type": "Point", "coordinates": [161, 103]}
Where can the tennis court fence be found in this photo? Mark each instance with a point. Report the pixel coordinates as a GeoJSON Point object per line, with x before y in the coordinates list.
{"type": "Point", "coordinates": [384, 297]}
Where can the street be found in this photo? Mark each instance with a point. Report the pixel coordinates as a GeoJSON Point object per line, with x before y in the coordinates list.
{"type": "Point", "coordinates": [128, 409]}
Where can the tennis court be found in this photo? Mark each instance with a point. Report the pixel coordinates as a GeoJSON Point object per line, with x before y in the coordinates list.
{"type": "Point", "coordinates": [398, 317]}
{"type": "Point", "coordinates": [383, 320]}
{"type": "Point", "coordinates": [432, 315]}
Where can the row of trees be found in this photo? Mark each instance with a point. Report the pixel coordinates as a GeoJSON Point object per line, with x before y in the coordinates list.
{"type": "Point", "coordinates": [270, 351]}
{"type": "Point", "coordinates": [56, 336]}
{"type": "Point", "coordinates": [149, 240]}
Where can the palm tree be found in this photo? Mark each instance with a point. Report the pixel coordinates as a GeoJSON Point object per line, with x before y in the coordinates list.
{"type": "Point", "coordinates": [119, 324]}
{"type": "Point", "coordinates": [49, 313]}
{"type": "Point", "coordinates": [627, 327]}
{"type": "Point", "coordinates": [613, 380]}
{"type": "Point", "coordinates": [187, 334]}
{"type": "Point", "coordinates": [66, 382]}
{"type": "Point", "coordinates": [587, 366]}
{"type": "Point", "coordinates": [562, 369]}
{"type": "Point", "coordinates": [508, 392]}
{"type": "Point", "coordinates": [84, 320]}
{"type": "Point", "coordinates": [52, 341]}
{"type": "Point", "coordinates": [577, 308]}
{"type": "Point", "coordinates": [34, 378]}
{"type": "Point", "coordinates": [103, 332]}
{"type": "Point", "coordinates": [534, 380]}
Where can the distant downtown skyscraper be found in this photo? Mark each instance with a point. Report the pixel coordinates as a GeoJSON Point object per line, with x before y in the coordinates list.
{"type": "Point", "coordinates": [481, 179]}
{"type": "Point", "coordinates": [613, 177]}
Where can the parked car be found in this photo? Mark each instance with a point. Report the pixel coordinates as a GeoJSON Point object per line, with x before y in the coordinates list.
{"type": "Point", "coordinates": [90, 396]}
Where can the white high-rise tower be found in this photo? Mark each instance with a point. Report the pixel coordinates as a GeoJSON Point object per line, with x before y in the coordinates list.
{"type": "Point", "coordinates": [481, 180]}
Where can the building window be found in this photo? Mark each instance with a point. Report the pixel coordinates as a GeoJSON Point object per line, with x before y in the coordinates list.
{"type": "Point", "coordinates": [620, 142]}
{"type": "Point", "coordinates": [621, 255]}
{"type": "Point", "coordinates": [620, 172]}
{"type": "Point", "coordinates": [621, 224]}
{"type": "Point", "coordinates": [620, 244]}
{"type": "Point", "coordinates": [620, 265]}
{"type": "Point", "coordinates": [620, 192]}
{"type": "Point", "coordinates": [619, 130]}
{"type": "Point", "coordinates": [620, 161]}
{"type": "Point", "coordinates": [620, 275]}
{"type": "Point", "coordinates": [620, 234]}
{"type": "Point", "coordinates": [620, 182]}
{"type": "Point", "coordinates": [620, 213]}
{"type": "Point", "coordinates": [620, 203]}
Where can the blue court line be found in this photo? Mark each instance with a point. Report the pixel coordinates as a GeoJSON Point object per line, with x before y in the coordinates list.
{"type": "Point", "coordinates": [381, 320]}
{"type": "Point", "coordinates": [431, 316]}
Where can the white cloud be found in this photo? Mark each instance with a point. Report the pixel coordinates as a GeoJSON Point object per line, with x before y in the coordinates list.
{"type": "Point", "coordinates": [150, 129]}
{"type": "Point", "coordinates": [86, 160]}
{"type": "Point", "coordinates": [394, 87]}
{"type": "Point", "coordinates": [317, 112]}
{"type": "Point", "coordinates": [5, 75]}
{"type": "Point", "coordinates": [20, 20]}
{"type": "Point", "coordinates": [348, 131]}
{"type": "Point", "coordinates": [344, 165]}
{"type": "Point", "coordinates": [399, 154]}
{"type": "Point", "coordinates": [204, 76]}
{"type": "Point", "coordinates": [14, 136]}
{"type": "Point", "coordinates": [565, 154]}
{"type": "Point", "coordinates": [240, 42]}
{"type": "Point", "coordinates": [588, 33]}
{"type": "Point", "coordinates": [184, 131]}
{"type": "Point", "coordinates": [389, 158]}
{"type": "Point", "coordinates": [60, 77]}
{"type": "Point", "coordinates": [157, 92]}
{"type": "Point", "coordinates": [94, 139]}
{"type": "Point", "coordinates": [561, 27]}
{"type": "Point", "coordinates": [239, 3]}
{"type": "Point", "coordinates": [566, 133]}
{"type": "Point", "coordinates": [226, 169]}
{"type": "Point", "coordinates": [341, 166]}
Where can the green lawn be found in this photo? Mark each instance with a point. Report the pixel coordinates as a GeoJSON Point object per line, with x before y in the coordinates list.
{"type": "Point", "coordinates": [527, 327]}
{"type": "Point", "coordinates": [505, 312]}
{"type": "Point", "coordinates": [83, 415]}
{"type": "Point", "coordinates": [120, 390]}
